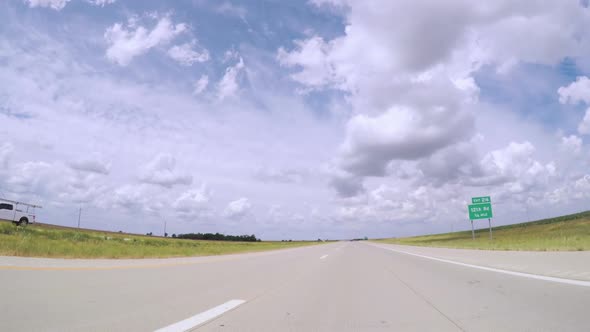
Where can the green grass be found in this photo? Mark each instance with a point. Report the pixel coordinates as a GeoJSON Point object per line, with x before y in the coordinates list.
{"type": "Point", "coordinates": [51, 241]}
{"type": "Point", "coordinates": [565, 233]}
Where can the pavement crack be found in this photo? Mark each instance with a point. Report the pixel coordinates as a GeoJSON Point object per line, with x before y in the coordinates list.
{"type": "Point", "coordinates": [425, 299]}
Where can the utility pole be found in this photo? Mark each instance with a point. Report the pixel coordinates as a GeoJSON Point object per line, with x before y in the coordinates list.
{"type": "Point", "coordinates": [79, 215]}
{"type": "Point", "coordinates": [165, 222]}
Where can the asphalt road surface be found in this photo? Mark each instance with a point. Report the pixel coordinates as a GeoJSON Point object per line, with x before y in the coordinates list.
{"type": "Point", "coordinates": [345, 286]}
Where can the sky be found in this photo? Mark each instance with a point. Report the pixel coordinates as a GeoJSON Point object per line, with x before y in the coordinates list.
{"type": "Point", "coordinates": [311, 119]}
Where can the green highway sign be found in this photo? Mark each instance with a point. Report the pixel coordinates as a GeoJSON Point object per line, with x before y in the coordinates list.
{"type": "Point", "coordinates": [479, 200]}
{"type": "Point", "coordinates": [480, 211]}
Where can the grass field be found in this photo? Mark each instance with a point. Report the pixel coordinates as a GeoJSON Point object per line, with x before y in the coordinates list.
{"type": "Point", "coordinates": [565, 233]}
{"type": "Point", "coordinates": [52, 241]}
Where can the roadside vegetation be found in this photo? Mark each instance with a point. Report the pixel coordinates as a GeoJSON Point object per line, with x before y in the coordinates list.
{"type": "Point", "coordinates": [51, 241]}
{"type": "Point", "coordinates": [217, 237]}
{"type": "Point", "coordinates": [565, 233]}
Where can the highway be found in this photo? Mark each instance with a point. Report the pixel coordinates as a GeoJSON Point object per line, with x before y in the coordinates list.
{"type": "Point", "coordinates": [343, 286]}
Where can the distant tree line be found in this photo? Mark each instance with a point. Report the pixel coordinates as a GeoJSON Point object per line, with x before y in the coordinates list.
{"type": "Point", "coordinates": [217, 237]}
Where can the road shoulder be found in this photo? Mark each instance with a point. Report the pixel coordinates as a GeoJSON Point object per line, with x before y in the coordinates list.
{"type": "Point", "coordinates": [569, 265]}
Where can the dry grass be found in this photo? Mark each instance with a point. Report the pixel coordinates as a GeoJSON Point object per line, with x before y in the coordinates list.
{"type": "Point", "coordinates": [565, 233]}
{"type": "Point", "coordinates": [48, 241]}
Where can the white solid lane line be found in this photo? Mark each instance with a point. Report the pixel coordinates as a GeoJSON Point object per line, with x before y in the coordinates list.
{"type": "Point", "coordinates": [198, 319]}
{"type": "Point", "coordinates": [323, 256]}
{"type": "Point", "coordinates": [514, 273]}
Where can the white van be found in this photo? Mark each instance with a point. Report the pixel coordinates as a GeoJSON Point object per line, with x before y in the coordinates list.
{"type": "Point", "coordinates": [18, 212]}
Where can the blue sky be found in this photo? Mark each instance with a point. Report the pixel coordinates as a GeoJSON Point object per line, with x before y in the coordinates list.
{"type": "Point", "coordinates": [324, 118]}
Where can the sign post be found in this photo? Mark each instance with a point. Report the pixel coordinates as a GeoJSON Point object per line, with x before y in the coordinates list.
{"type": "Point", "coordinates": [481, 208]}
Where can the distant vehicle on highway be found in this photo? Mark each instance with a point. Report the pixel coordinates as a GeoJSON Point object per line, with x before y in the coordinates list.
{"type": "Point", "coordinates": [19, 213]}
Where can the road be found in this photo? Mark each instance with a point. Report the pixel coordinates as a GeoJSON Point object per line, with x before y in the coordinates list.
{"type": "Point", "coordinates": [344, 286]}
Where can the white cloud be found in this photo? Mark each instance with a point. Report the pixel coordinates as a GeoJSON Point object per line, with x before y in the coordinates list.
{"type": "Point", "coordinates": [129, 122]}
{"type": "Point", "coordinates": [408, 144]}
{"type": "Point", "coordinates": [384, 43]}
{"type": "Point", "coordinates": [91, 165]}
{"type": "Point", "coordinates": [193, 203]}
{"type": "Point", "coordinates": [314, 55]}
{"type": "Point", "coordinates": [186, 55]}
{"type": "Point", "coordinates": [5, 153]}
{"type": "Point", "coordinates": [82, 188]}
{"type": "Point", "coordinates": [584, 126]}
{"type": "Point", "coordinates": [282, 175]}
{"type": "Point", "coordinates": [128, 197]}
{"type": "Point", "coordinates": [228, 86]}
{"type": "Point", "coordinates": [201, 84]}
{"type": "Point", "coordinates": [516, 167]}
{"type": "Point", "coordinates": [578, 91]}
{"type": "Point", "coordinates": [400, 203]}
{"type": "Point", "coordinates": [33, 177]}
{"type": "Point", "coordinates": [406, 202]}
{"type": "Point", "coordinates": [582, 185]}
{"type": "Point", "coordinates": [39, 181]}
{"type": "Point", "coordinates": [53, 4]}
{"type": "Point", "coordinates": [138, 200]}
{"type": "Point", "coordinates": [102, 3]}
{"type": "Point", "coordinates": [131, 41]}
{"type": "Point", "coordinates": [227, 8]}
{"type": "Point", "coordinates": [346, 184]}
{"type": "Point", "coordinates": [435, 195]}
{"type": "Point", "coordinates": [60, 4]}
{"type": "Point", "coordinates": [577, 189]}
{"type": "Point", "coordinates": [230, 55]}
{"type": "Point", "coordinates": [399, 134]}
{"type": "Point", "coordinates": [162, 171]}
{"type": "Point", "coordinates": [238, 208]}
{"type": "Point", "coordinates": [572, 143]}
{"type": "Point", "coordinates": [408, 69]}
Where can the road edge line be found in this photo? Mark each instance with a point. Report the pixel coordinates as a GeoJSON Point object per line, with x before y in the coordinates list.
{"type": "Point", "coordinates": [492, 269]}
{"type": "Point", "coordinates": [201, 318]}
